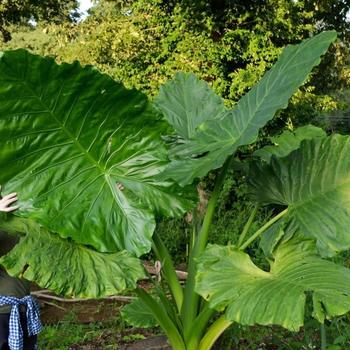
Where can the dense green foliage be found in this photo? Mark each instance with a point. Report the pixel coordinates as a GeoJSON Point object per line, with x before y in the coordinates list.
{"type": "Point", "coordinates": [228, 278]}
{"type": "Point", "coordinates": [215, 132]}
{"type": "Point", "coordinates": [228, 44]}
{"type": "Point", "coordinates": [26, 13]}
{"type": "Point", "coordinates": [112, 273]}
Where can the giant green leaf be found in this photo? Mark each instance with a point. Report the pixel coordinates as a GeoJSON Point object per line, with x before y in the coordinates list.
{"type": "Point", "coordinates": [229, 280]}
{"type": "Point", "coordinates": [219, 136]}
{"type": "Point", "coordinates": [65, 267]}
{"type": "Point", "coordinates": [314, 182]}
{"type": "Point", "coordinates": [68, 134]}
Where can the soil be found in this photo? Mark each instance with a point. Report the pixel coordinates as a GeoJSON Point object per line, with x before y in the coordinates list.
{"type": "Point", "coordinates": [84, 312]}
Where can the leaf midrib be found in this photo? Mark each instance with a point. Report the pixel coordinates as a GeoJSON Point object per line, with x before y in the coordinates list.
{"type": "Point", "coordinates": [61, 125]}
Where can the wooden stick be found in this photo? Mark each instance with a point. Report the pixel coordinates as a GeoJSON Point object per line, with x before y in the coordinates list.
{"type": "Point", "coordinates": [54, 305]}
{"type": "Point", "coordinates": [121, 298]}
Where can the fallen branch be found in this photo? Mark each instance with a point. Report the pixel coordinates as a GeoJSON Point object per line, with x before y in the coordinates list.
{"type": "Point", "coordinates": [53, 304]}
{"type": "Point", "coordinates": [40, 294]}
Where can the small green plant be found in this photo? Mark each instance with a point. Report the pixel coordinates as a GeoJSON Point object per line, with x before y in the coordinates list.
{"type": "Point", "coordinates": [68, 134]}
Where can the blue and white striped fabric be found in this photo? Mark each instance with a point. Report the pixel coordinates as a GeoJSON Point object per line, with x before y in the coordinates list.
{"type": "Point", "coordinates": [15, 339]}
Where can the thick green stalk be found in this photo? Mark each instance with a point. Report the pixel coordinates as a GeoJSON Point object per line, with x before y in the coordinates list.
{"type": "Point", "coordinates": [214, 332]}
{"type": "Point", "coordinates": [262, 229]}
{"type": "Point", "coordinates": [168, 270]}
{"type": "Point", "coordinates": [199, 326]}
{"type": "Point", "coordinates": [247, 225]}
{"type": "Point", "coordinates": [163, 319]}
{"type": "Point", "coordinates": [191, 299]}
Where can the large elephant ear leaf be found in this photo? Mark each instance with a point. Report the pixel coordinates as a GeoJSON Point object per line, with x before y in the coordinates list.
{"type": "Point", "coordinates": [219, 136]}
{"type": "Point", "coordinates": [67, 135]}
{"type": "Point", "coordinates": [314, 182]}
{"type": "Point", "coordinates": [65, 267]}
{"type": "Point", "coordinates": [229, 280]}
{"type": "Point", "coordinates": [289, 141]}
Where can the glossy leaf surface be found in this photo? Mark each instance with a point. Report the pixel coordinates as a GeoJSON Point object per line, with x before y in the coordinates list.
{"type": "Point", "coordinates": [187, 102]}
{"type": "Point", "coordinates": [67, 135]}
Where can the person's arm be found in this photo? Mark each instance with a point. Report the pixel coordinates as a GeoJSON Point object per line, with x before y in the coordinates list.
{"type": "Point", "coordinates": [6, 201]}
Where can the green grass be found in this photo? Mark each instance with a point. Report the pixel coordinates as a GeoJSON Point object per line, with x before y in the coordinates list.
{"type": "Point", "coordinates": [68, 332]}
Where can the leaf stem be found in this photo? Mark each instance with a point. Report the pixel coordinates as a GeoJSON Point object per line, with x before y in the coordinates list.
{"type": "Point", "coordinates": [247, 225]}
{"type": "Point", "coordinates": [163, 319]}
{"type": "Point", "coordinates": [198, 328]}
{"type": "Point", "coordinates": [214, 332]}
{"type": "Point", "coordinates": [263, 229]}
{"type": "Point", "coordinates": [191, 298]}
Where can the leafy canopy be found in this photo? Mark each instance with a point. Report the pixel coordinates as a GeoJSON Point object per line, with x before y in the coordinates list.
{"type": "Point", "coordinates": [72, 134]}
{"type": "Point", "coordinates": [20, 12]}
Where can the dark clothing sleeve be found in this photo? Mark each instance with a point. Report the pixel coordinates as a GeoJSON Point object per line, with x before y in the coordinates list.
{"type": "Point", "coordinates": [10, 286]}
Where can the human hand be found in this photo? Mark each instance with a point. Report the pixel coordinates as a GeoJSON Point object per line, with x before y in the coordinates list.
{"type": "Point", "coordinates": [119, 186]}
{"type": "Point", "coordinates": [5, 202]}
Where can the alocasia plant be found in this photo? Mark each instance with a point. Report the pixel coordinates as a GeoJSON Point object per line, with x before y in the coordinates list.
{"type": "Point", "coordinates": [68, 134]}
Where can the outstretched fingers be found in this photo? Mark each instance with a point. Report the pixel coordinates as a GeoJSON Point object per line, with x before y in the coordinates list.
{"type": "Point", "coordinates": [119, 186]}
{"type": "Point", "coordinates": [9, 209]}
{"type": "Point", "coordinates": [6, 201]}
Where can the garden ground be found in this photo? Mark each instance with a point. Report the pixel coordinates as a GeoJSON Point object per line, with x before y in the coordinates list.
{"type": "Point", "coordinates": [97, 325]}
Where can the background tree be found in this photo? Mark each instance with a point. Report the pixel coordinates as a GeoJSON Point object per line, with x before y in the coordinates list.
{"type": "Point", "coordinates": [18, 12]}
